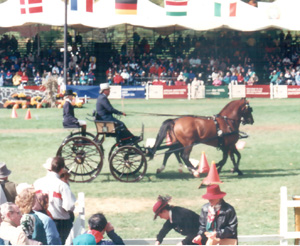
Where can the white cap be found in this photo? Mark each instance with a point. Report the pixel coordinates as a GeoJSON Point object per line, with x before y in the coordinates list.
{"type": "Point", "coordinates": [48, 164]}
{"type": "Point", "coordinates": [104, 86]}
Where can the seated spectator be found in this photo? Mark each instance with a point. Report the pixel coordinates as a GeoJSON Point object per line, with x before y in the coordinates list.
{"type": "Point", "coordinates": [289, 80]}
{"type": "Point", "coordinates": [10, 229]}
{"type": "Point", "coordinates": [8, 78]}
{"type": "Point", "coordinates": [2, 76]}
{"type": "Point", "coordinates": [118, 79]}
{"type": "Point", "coordinates": [91, 78]}
{"type": "Point", "coordinates": [25, 201]}
{"type": "Point", "coordinates": [37, 79]}
{"type": "Point", "coordinates": [98, 225]}
{"type": "Point", "coordinates": [233, 78]}
{"type": "Point", "coordinates": [240, 78]}
{"type": "Point", "coordinates": [24, 79]}
{"type": "Point", "coordinates": [83, 78]}
{"type": "Point", "coordinates": [181, 77]}
{"type": "Point", "coordinates": [125, 76]}
{"type": "Point", "coordinates": [253, 79]}
{"type": "Point", "coordinates": [280, 80]}
{"type": "Point", "coordinates": [218, 220]}
{"type": "Point", "coordinates": [217, 81]}
{"type": "Point", "coordinates": [227, 78]}
{"type": "Point", "coordinates": [182, 220]}
{"type": "Point", "coordinates": [76, 79]}
{"type": "Point", "coordinates": [9, 188]}
{"type": "Point", "coordinates": [16, 79]}
{"type": "Point", "coordinates": [297, 78]}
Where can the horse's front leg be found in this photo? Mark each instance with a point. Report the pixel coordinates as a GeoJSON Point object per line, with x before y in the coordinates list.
{"type": "Point", "coordinates": [223, 161]}
{"type": "Point", "coordinates": [185, 155]}
{"type": "Point", "coordinates": [235, 163]}
{"type": "Point", "coordinates": [177, 154]}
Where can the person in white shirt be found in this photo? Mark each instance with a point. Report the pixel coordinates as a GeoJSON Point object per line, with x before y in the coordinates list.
{"type": "Point", "coordinates": [61, 198]}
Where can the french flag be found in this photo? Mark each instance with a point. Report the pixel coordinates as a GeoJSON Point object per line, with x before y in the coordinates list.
{"type": "Point", "coordinates": [31, 6]}
{"type": "Point", "coordinates": [88, 5]}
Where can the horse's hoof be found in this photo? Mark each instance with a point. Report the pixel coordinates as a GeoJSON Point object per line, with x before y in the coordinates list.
{"type": "Point", "coordinates": [158, 171]}
{"type": "Point", "coordinates": [240, 173]}
{"type": "Point", "coordinates": [180, 170]}
{"type": "Point", "coordinates": [196, 174]}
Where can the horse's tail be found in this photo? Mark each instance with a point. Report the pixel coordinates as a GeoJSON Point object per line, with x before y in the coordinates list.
{"type": "Point", "coordinates": [166, 127]}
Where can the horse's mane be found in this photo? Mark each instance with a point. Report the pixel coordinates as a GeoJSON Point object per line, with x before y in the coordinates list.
{"type": "Point", "coordinates": [230, 105]}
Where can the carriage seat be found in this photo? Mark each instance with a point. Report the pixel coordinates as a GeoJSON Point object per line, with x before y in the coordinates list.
{"type": "Point", "coordinates": [105, 127]}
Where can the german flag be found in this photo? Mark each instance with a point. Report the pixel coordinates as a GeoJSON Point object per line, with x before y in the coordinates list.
{"type": "Point", "coordinates": [126, 7]}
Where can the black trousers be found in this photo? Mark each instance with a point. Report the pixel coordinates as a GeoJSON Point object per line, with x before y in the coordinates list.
{"type": "Point", "coordinates": [64, 227]}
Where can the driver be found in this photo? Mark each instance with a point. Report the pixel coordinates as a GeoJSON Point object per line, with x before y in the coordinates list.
{"type": "Point", "coordinates": [104, 111]}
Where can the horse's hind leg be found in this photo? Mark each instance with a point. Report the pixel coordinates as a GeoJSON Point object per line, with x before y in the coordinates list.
{"type": "Point", "coordinates": [223, 161]}
{"type": "Point", "coordinates": [237, 162]}
{"type": "Point", "coordinates": [163, 166]}
{"type": "Point", "coordinates": [176, 153]}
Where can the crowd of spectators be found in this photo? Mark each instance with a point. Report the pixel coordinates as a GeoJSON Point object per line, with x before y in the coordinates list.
{"type": "Point", "coordinates": [16, 69]}
{"type": "Point", "coordinates": [219, 60]}
{"type": "Point", "coordinates": [186, 58]}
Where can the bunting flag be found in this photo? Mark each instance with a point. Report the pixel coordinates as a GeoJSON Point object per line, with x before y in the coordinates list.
{"type": "Point", "coordinates": [88, 5]}
{"type": "Point", "coordinates": [221, 10]}
{"type": "Point", "coordinates": [126, 7]}
{"type": "Point", "coordinates": [176, 7]}
{"type": "Point", "coordinates": [31, 6]}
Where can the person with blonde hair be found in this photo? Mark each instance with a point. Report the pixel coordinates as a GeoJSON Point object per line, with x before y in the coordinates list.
{"type": "Point", "coordinates": [25, 201]}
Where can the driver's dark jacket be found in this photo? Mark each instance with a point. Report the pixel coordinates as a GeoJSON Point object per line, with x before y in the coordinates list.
{"type": "Point", "coordinates": [104, 109]}
{"type": "Point", "coordinates": [184, 221]}
{"type": "Point", "coordinates": [226, 222]}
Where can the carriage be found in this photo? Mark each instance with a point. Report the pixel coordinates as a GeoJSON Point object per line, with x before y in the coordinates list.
{"type": "Point", "coordinates": [84, 155]}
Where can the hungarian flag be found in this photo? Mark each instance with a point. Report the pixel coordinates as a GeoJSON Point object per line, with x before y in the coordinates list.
{"type": "Point", "coordinates": [176, 7]}
{"type": "Point", "coordinates": [87, 5]}
{"type": "Point", "coordinates": [225, 10]}
{"type": "Point", "coordinates": [31, 6]}
{"type": "Point", "coordinates": [126, 7]}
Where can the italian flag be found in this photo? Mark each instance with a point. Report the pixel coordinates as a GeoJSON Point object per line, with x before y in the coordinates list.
{"type": "Point", "coordinates": [176, 7]}
{"type": "Point", "coordinates": [224, 10]}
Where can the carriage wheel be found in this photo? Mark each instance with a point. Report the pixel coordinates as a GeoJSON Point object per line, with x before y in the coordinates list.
{"type": "Point", "coordinates": [112, 150]}
{"type": "Point", "coordinates": [83, 158]}
{"type": "Point", "coordinates": [128, 164]}
{"type": "Point", "coordinates": [87, 134]}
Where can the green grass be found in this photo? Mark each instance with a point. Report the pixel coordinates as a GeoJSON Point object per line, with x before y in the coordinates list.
{"type": "Point", "coordinates": [271, 159]}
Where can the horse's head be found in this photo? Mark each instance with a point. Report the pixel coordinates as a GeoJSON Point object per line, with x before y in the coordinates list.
{"type": "Point", "coordinates": [246, 113]}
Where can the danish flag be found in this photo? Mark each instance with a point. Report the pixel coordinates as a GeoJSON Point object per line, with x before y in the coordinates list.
{"type": "Point", "coordinates": [31, 6]}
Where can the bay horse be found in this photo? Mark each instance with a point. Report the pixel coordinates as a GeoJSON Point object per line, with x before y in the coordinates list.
{"type": "Point", "coordinates": [221, 131]}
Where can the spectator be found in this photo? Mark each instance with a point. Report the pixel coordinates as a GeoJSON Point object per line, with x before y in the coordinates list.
{"type": "Point", "coordinates": [9, 188]}
{"type": "Point", "coordinates": [297, 78]}
{"type": "Point", "coordinates": [227, 78]}
{"type": "Point", "coordinates": [40, 208]}
{"type": "Point", "coordinates": [83, 78]}
{"type": "Point", "coordinates": [62, 200]}
{"type": "Point", "coordinates": [273, 77]}
{"type": "Point", "coordinates": [25, 201]}
{"type": "Point", "coordinates": [98, 225]}
{"type": "Point", "coordinates": [218, 220]}
{"type": "Point", "coordinates": [118, 79]}
{"type": "Point", "coordinates": [37, 79]}
{"type": "Point", "coordinates": [91, 78]}
{"type": "Point", "coordinates": [10, 230]}
{"type": "Point", "coordinates": [182, 220]}
{"type": "Point", "coordinates": [125, 76]}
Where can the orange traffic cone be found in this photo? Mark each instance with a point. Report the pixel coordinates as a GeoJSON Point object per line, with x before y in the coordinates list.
{"type": "Point", "coordinates": [168, 139]}
{"type": "Point", "coordinates": [213, 176]}
{"type": "Point", "coordinates": [14, 113]}
{"type": "Point", "coordinates": [28, 115]}
{"type": "Point", "coordinates": [203, 165]}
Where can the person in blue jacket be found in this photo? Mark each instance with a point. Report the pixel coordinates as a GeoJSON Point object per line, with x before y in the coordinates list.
{"type": "Point", "coordinates": [69, 119]}
{"type": "Point", "coordinates": [105, 111]}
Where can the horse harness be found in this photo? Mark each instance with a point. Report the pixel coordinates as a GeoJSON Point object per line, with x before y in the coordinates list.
{"type": "Point", "coordinates": [220, 133]}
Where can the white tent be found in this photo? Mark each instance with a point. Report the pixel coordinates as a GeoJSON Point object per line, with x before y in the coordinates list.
{"type": "Point", "coordinates": [200, 15]}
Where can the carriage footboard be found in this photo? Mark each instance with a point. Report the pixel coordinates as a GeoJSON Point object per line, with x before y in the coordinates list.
{"type": "Point", "coordinates": [104, 127]}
